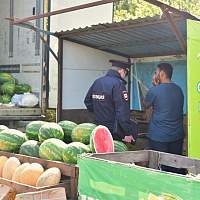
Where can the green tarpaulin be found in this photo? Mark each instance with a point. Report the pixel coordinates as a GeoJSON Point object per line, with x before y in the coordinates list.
{"type": "Point", "coordinates": [104, 180]}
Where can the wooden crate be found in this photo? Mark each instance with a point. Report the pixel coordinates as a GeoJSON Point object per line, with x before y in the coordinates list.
{"type": "Point", "coordinates": [152, 159]}
{"type": "Point", "coordinates": [136, 175]}
{"type": "Point", "coordinates": [15, 111]}
{"type": "Point", "coordinates": [6, 193]}
{"type": "Point", "coordinates": [49, 194]}
{"type": "Point", "coordinates": [69, 175]}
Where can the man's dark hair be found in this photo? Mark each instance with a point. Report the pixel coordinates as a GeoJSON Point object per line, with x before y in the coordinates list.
{"type": "Point", "coordinates": [167, 68]}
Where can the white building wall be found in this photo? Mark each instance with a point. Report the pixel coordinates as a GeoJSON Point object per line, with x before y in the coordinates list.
{"type": "Point", "coordinates": [24, 40]}
{"type": "Point", "coordinates": [23, 43]}
{"type": "Point", "coordinates": [68, 21]}
{"type": "Point", "coordinates": [82, 65]}
{"type": "Point", "coordinates": [4, 31]}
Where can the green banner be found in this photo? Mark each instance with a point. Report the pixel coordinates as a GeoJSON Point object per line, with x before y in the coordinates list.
{"type": "Point", "coordinates": [193, 84]}
{"type": "Point", "coordinates": [105, 180]}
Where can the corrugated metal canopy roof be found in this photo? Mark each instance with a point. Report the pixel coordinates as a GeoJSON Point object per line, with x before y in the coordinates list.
{"type": "Point", "coordinates": [143, 37]}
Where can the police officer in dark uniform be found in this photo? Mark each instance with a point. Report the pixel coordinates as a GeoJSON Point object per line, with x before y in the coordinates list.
{"type": "Point", "coordinates": [108, 99]}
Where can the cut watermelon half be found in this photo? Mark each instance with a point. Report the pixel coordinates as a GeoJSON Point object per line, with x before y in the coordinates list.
{"type": "Point", "coordinates": [102, 140]}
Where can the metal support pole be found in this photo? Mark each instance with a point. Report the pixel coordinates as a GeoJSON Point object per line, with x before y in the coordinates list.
{"type": "Point", "coordinates": [65, 10]}
{"type": "Point", "coordinates": [60, 80]}
{"type": "Point", "coordinates": [129, 82]}
{"type": "Point", "coordinates": [166, 9]}
{"type": "Point", "coordinates": [171, 9]}
{"type": "Point", "coordinates": [174, 28]}
{"type": "Point", "coordinates": [29, 26]}
{"type": "Point", "coordinates": [48, 47]}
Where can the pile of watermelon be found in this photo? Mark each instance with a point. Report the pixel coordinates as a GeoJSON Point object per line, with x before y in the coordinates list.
{"type": "Point", "coordinates": [64, 141]}
{"type": "Point", "coordinates": [9, 86]}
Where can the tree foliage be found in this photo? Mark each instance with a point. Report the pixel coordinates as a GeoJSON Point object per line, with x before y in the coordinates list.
{"type": "Point", "coordinates": [132, 9]}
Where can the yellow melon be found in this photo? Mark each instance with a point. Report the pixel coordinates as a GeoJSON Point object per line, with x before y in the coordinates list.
{"type": "Point", "coordinates": [37, 165]}
{"type": "Point", "coordinates": [50, 177]}
{"type": "Point", "coordinates": [31, 173]}
{"type": "Point", "coordinates": [17, 174]}
{"type": "Point", "coordinates": [3, 159]}
{"type": "Point", "coordinates": [9, 168]}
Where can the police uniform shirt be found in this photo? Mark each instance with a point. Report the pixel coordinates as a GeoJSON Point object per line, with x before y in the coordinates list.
{"type": "Point", "coordinates": [108, 99]}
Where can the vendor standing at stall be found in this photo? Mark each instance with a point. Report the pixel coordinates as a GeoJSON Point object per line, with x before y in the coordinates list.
{"type": "Point", "coordinates": [166, 123]}
{"type": "Point", "coordinates": [108, 99]}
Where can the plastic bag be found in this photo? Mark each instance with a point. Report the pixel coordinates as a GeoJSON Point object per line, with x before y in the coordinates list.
{"type": "Point", "coordinates": [28, 100]}
{"type": "Point", "coordinates": [16, 99]}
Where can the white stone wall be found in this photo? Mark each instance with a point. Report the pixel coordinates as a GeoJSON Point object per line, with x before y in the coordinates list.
{"type": "Point", "coordinates": [82, 65]}
{"type": "Point", "coordinates": [68, 21]}
{"type": "Point", "coordinates": [23, 43]}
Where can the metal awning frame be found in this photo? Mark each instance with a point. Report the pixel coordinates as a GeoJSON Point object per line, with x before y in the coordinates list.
{"type": "Point", "coordinates": [81, 35]}
{"type": "Point", "coordinates": [157, 3]}
{"type": "Point", "coordinates": [166, 9]}
{"type": "Point", "coordinates": [30, 26]}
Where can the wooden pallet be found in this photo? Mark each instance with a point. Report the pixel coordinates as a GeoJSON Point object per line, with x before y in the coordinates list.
{"type": "Point", "coordinates": [69, 175]}
{"type": "Point", "coordinates": [15, 111]}
{"type": "Point", "coordinates": [50, 194]}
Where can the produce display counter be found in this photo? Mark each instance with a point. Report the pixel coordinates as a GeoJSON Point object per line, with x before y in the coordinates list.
{"type": "Point", "coordinates": [16, 113]}
{"type": "Point", "coordinates": [69, 178]}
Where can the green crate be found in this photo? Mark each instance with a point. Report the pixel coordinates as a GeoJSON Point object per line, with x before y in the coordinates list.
{"type": "Point", "coordinates": [137, 176]}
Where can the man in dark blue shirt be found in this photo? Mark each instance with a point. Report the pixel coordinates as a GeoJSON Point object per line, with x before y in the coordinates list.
{"type": "Point", "coordinates": [108, 99]}
{"type": "Point", "coordinates": [166, 124]}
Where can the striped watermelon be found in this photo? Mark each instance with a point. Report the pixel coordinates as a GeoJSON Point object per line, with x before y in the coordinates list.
{"type": "Point", "coordinates": [92, 149]}
{"type": "Point", "coordinates": [11, 140]}
{"type": "Point", "coordinates": [32, 129]}
{"type": "Point", "coordinates": [101, 140]}
{"type": "Point", "coordinates": [52, 149]}
{"type": "Point", "coordinates": [119, 146]}
{"type": "Point", "coordinates": [2, 127]}
{"type": "Point", "coordinates": [67, 127]}
{"type": "Point", "coordinates": [22, 88]}
{"type": "Point", "coordinates": [82, 132]}
{"type": "Point", "coordinates": [13, 80]}
{"type": "Point", "coordinates": [72, 150]}
{"type": "Point", "coordinates": [8, 88]}
{"type": "Point", "coordinates": [5, 98]}
{"type": "Point", "coordinates": [5, 77]}
{"type": "Point", "coordinates": [50, 130]}
{"type": "Point", "coordinates": [30, 148]}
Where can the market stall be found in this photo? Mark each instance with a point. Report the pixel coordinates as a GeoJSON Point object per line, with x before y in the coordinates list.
{"type": "Point", "coordinates": [84, 53]}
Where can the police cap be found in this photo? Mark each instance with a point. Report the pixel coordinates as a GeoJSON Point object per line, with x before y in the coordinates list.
{"type": "Point", "coordinates": [120, 64]}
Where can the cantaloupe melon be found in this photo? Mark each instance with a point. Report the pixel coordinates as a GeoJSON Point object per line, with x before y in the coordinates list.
{"type": "Point", "coordinates": [3, 159]}
{"type": "Point", "coordinates": [9, 168]}
{"type": "Point", "coordinates": [50, 177]}
{"type": "Point", "coordinates": [37, 165]}
{"type": "Point", "coordinates": [31, 173]}
{"type": "Point", "coordinates": [17, 174]}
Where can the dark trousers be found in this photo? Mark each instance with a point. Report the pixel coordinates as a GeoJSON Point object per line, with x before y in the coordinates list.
{"type": "Point", "coordinates": [175, 147]}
